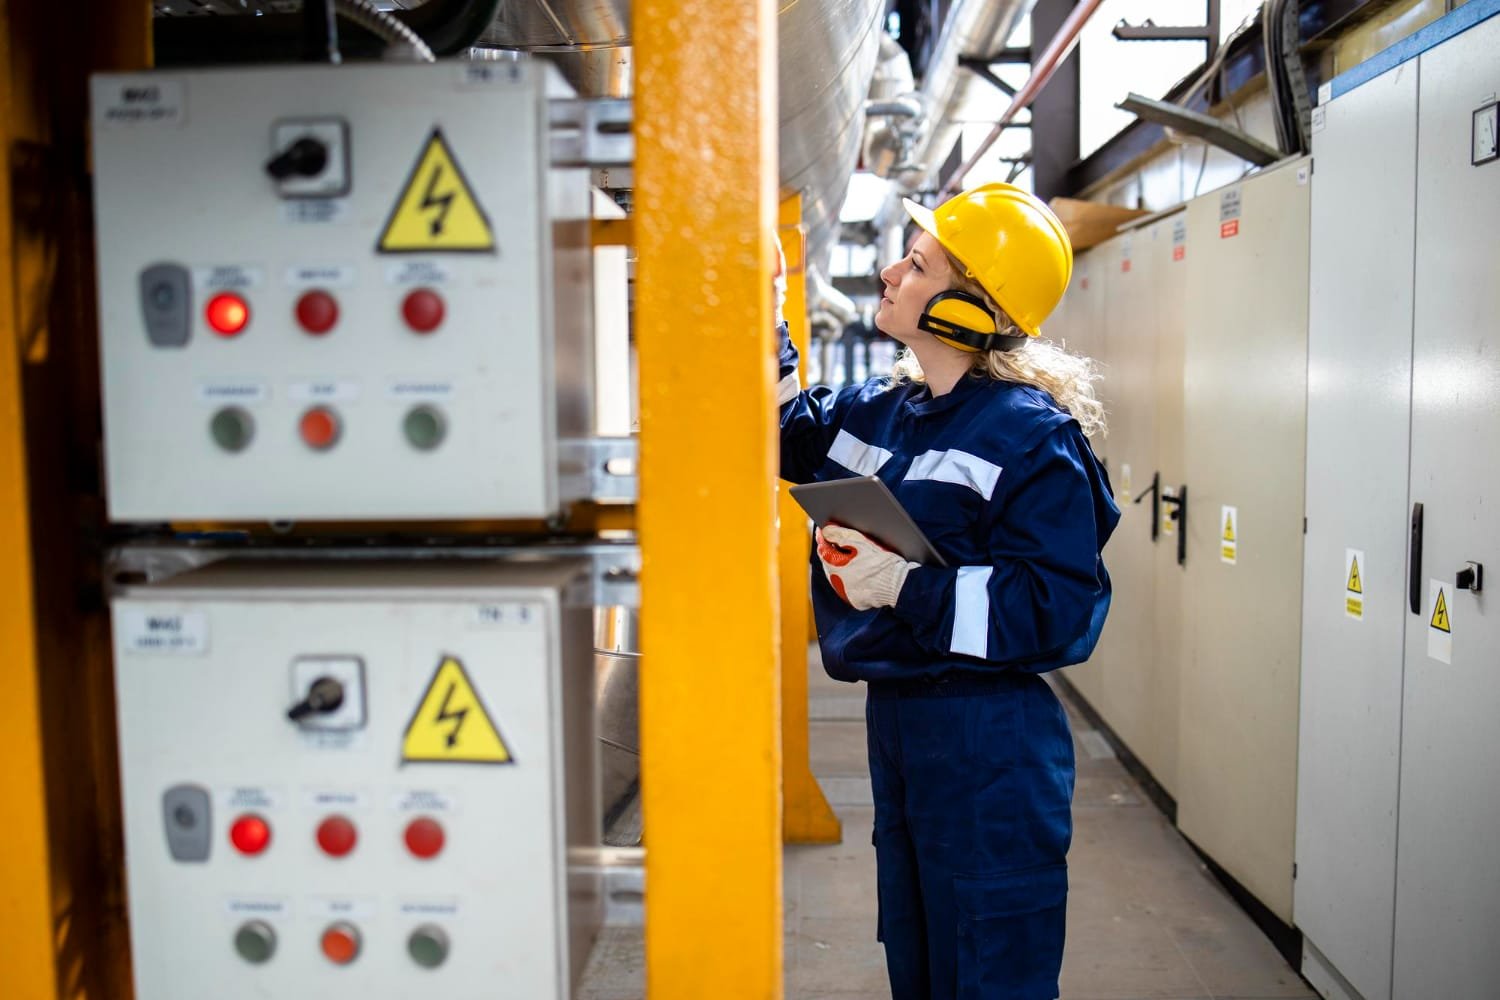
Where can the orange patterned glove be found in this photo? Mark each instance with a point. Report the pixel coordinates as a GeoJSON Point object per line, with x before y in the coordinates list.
{"type": "Point", "coordinates": [862, 572]}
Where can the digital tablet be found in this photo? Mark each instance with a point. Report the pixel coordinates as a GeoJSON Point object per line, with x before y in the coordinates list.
{"type": "Point", "coordinates": [867, 504]}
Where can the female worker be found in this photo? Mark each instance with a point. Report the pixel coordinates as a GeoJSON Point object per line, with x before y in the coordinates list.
{"type": "Point", "coordinates": [982, 435]}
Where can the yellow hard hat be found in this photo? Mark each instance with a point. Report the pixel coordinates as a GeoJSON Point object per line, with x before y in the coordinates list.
{"type": "Point", "coordinates": [1009, 242]}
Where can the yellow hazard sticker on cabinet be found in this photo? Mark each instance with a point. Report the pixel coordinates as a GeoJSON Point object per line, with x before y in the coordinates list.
{"type": "Point", "coordinates": [1439, 622]}
{"type": "Point", "coordinates": [437, 211]}
{"type": "Point", "coordinates": [1229, 546]}
{"type": "Point", "coordinates": [1354, 584]}
{"type": "Point", "coordinates": [451, 724]}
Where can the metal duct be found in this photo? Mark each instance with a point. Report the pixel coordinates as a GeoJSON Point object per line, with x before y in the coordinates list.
{"type": "Point", "coordinates": [828, 53]}
{"type": "Point", "coordinates": [827, 58]}
{"type": "Point", "coordinates": [974, 28]}
{"type": "Point", "coordinates": [589, 40]}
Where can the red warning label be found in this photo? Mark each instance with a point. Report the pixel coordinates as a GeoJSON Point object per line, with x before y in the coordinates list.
{"type": "Point", "coordinates": [1228, 229]}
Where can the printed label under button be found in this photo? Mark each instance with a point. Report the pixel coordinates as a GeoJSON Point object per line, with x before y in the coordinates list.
{"type": "Point", "coordinates": [219, 393]}
{"type": "Point", "coordinates": [420, 389]}
{"type": "Point", "coordinates": [323, 391]}
{"type": "Point", "coordinates": [321, 276]}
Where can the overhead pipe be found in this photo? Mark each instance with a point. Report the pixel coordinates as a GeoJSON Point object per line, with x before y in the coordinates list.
{"type": "Point", "coordinates": [1057, 50]}
{"type": "Point", "coordinates": [448, 27]}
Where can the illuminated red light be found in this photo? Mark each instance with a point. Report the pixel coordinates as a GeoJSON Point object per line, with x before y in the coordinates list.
{"type": "Point", "coordinates": [250, 834]}
{"type": "Point", "coordinates": [425, 837]}
{"type": "Point", "coordinates": [227, 314]}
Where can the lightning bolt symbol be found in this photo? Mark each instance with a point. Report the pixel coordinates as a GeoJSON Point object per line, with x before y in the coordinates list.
{"type": "Point", "coordinates": [458, 717]}
{"type": "Point", "coordinates": [431, 199]}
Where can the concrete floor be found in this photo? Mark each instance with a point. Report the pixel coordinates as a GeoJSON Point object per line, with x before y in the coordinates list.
{"type": "Point", "coordinates": [1146, 921]}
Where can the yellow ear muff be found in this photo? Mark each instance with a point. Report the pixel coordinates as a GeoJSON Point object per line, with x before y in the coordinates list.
{"type": "Point", "coordinates": [959, 320]}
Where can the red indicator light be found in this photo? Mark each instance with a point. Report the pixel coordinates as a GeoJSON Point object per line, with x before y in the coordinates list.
{"type": "Point", "coordinates": [227, 314]}
{"type": "Point", "coordinates": [423, 310]}
{"type": "Point", "coordinates": [341, 943]}
{"type": "Point", "coordinates": [317, 312]}
{"type": "Point", "coordinates": [319, 427]}
{"type": "Point", "coordinates": [337, 836]}
{"type": "Point", "coordinates": [250, 834]}
{"type": "Point", "coordinates": [425, 837]}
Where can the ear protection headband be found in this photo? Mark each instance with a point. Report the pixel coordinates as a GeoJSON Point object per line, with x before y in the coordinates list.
{"type": "Point", "coordinates": [962, 320]}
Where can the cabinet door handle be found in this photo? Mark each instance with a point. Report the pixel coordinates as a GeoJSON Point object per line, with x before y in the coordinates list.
{"type": "Point", "coordinates": [1155, 493]}
{"type": "Point", "coordinates": [1414, 583]}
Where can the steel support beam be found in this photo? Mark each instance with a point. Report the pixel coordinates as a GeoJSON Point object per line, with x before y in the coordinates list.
{"type": "Point", "coordinates": [1054, 114]}
{"type": "Point", "coordinates": [62, 928]}
{"type": "Point", "coordinates": [705, 212]}
{"type": "Point", "coordinates": [807, 816]}
{"type": "Point", "coordinates": [26, 952]}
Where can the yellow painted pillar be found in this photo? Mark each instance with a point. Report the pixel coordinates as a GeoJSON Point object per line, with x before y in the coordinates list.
{"type": "Point", "coordinates": [26, 953]}
{"type": "Point", "coordinates": [710, 704]}
{"type": "Point", "coordinates": [808, 818]}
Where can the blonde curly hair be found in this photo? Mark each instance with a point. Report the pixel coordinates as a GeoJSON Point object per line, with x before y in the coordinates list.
{"type": "Point", "coordinates": [1068, 378]}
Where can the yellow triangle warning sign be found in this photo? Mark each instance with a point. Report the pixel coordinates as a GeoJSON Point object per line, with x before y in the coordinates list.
{"type": "Point", "coordinates": [451, 724]}
{"type": "Point", "coordinates": [437, 211]}
{"type": "Point", "coordinates": [1354, 586]}
{"type": "Point", "coordinates": [1440, 614]}
{"type": "Point", "coordinates": [1228, 526]}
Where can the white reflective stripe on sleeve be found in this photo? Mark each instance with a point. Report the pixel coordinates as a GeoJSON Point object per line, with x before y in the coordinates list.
{"type": "Point", "coordinates": [957, 467]}
{"type": "Point", "coordinates": [971, 611]}
{"type": "Point", "coordinates": [787, 389]}
{"type": "Point", "coordinates": [856, 456]}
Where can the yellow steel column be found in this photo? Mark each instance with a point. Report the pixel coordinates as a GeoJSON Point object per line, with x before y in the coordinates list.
{"type": "Point", "coordinates": [705, 113]}
{"type": "Point", "coordinates": [26, 953]}
{"type": "Point", "coordinates": [808, 818]}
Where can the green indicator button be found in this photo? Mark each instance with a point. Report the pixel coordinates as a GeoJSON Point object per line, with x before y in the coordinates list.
{"type": "Point", "coordinates": [232, 428]}
{"type": "Point", "coordinates": [425, 427]}
{"type": "Point", "coordinates": [428, 946]}
{"type": "Point", "coordinates": [255, 941]}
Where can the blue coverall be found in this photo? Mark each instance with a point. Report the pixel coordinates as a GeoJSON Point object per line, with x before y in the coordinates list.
{"type": "Point", "coordinates": [971, 758]}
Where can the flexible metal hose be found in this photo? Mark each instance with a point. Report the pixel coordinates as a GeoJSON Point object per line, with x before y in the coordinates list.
{"type": "Point", "coordinates": [394, 31]}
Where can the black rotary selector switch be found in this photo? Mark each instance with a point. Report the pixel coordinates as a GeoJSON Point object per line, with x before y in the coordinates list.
{"type": "Point", "coordinates": [307, 157]}
{"type": "Point", "coordinates": [325, 695]}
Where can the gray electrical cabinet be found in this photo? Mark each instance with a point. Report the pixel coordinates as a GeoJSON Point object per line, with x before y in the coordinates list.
{"type": "Point", "coordinates": [1359, 378]}
{"type": "Point", "coordinates": [1244, 389]}
{"type": "Point", "coordinates": [1448, 868]}
{"type": "Point", "coordinates": [1398, 886]}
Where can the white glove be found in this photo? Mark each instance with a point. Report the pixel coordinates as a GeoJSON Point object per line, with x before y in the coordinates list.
{"type": "Point", "coordinates": [862, 572]}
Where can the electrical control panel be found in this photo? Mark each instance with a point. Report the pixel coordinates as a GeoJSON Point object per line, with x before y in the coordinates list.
{"type": "Point", "coordinates": [358, 779]}
{"type": "Point", "coordinates": [335, 293]}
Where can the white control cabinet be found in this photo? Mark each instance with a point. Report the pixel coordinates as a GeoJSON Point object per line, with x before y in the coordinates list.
{"type": "Point", "coordinates": [1245, 399]}
{"type": "Point", "coordinates": [408, 834]}
{"type": "Point", "coordinates": [339, 293]}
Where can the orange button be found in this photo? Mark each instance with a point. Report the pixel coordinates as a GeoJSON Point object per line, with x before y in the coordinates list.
{"type": "Point", "coordinates": [341, 943]}
{"type": "Point", "coordinates": [425, 837]}
{"type": "Point", "coordinates": [250, 834]}
{"type": "Point", "coordinates": [320, 428]}
{"type": "Point", "coordinates": [337, 836]}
